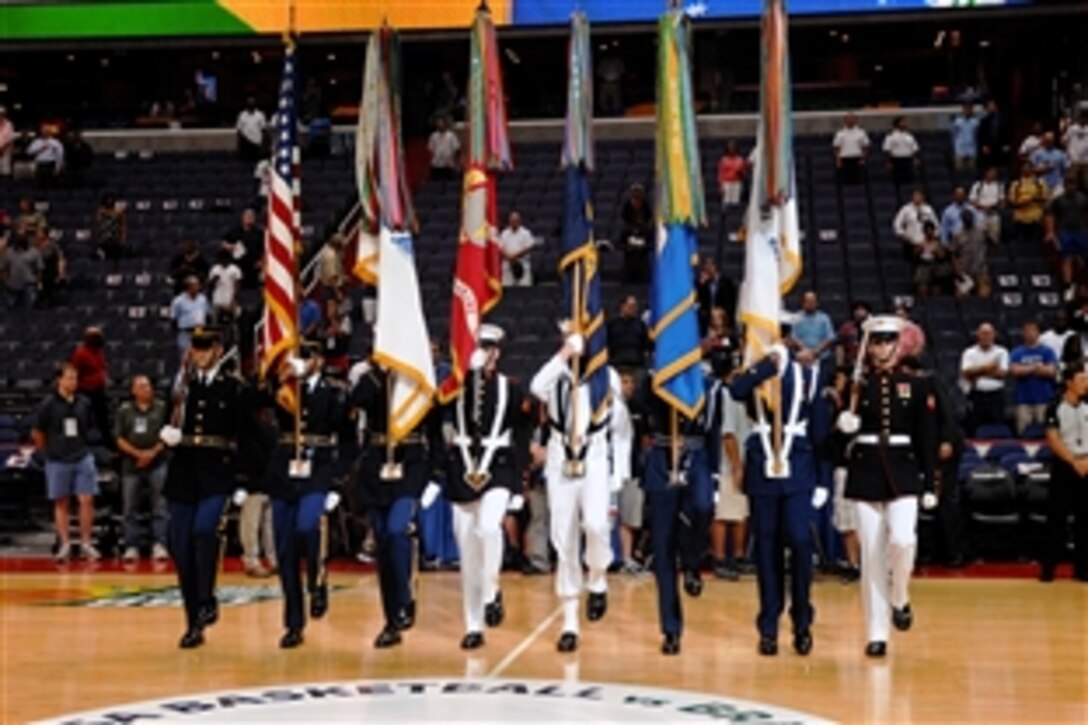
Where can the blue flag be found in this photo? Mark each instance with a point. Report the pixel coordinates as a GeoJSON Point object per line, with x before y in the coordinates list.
{"type": "Point", "coordinates": [583, 301]}
{"type": "Point", "coordinates": [678, 375]}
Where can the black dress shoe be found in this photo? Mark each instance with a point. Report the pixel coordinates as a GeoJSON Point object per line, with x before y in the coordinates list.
{"type": "Point", "coordinates": [693, 583]}
{"type": "Point", "coordinates": [407, 617]}
{"type": "Point", "coordinates": [1046, 575]}
{"type": "Point", "coordinates": [802, 642]}
{"type": "Point", "coordinates": [596, 605]}
{"type": "Point", "coordinates": [387, 637]}
{"type": "Point", "coordinates": [319, 602]}
{"type": "Point", "coordinates": [876, 649]}
{"type": "Point", "coordinates": [209, 613]}
{"type": "Point", "coordinates": [768, 646]}
{"type": "Point", "coordinates": [292, 639]}
{"type": "Point", "coordinates": [494, 612]}
{"type": "Point", "coordinates": [902, 618]}
{"type": "Point", "coordinates": [192, 638]}
{"type": "Point", "coordinates": [472, 640]}
{"type": "Point", "coordinates": [568, 642]}
{"type": "Point", "coordinates": [671, 645]}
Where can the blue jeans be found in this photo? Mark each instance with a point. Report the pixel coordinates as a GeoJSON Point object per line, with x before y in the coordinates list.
{"type": "Point", "coordinates": [23, 298]}
{"type": "Point", "coordinates": [154, 478]}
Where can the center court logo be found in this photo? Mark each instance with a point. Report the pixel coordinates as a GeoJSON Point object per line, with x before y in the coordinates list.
{"type": "Point", "coordinates": [446, 700]}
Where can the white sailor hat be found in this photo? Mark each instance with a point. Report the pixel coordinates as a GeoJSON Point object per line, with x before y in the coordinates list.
{"type": "Point", "coordinates": [491, 335]}
{"type": "Point", "coordinates": [883, 325]}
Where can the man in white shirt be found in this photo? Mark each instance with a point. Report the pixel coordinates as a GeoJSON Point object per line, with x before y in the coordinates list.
{"type": "Point", "coordinates": [909, 223]}
{"type": "Point", "coordinates": [445, 150]}
{"type": "Point", "coordinates": [988, 197]}
{"type": "Point", "coordinates": [1055, 337]}
{"type": "Point", "coordinates": [901, 150]}
{"type": "Point", "coordinates": [224, 279]}
{"type": "Point", "coordinates": [983, 369]}
{"type": "Point", "coordinates": [48, 155]}
{"type": "Point", "coordinates": [1075, 140]}
{"type": "Point", "coordinates": [188, 311]}
{"type": "Point", "coordinates": [1032, 141]}
{"type": "Point", "coordinates": [251, 127]}
{"type": "Point", "coordinates": [851, 145]}
{"type": "Point", "coordinates": [516, 242]}
{"type": "Point", "coordinates": [7, 142]}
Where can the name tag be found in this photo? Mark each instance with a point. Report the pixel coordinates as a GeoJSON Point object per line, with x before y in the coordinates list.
{"type": "Point", "coordinates": [139, 426]}
{"type": "Point", "coordinates": [71, 427]}
{"type": "Point", "coordinates": [299, 468]}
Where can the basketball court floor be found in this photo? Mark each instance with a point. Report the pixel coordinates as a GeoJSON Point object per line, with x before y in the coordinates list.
{"type": "Point", "coordinates": [85, 638]}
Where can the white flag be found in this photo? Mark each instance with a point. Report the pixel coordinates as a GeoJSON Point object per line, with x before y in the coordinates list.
{"type": "Point", "coordinates": [401, 342]}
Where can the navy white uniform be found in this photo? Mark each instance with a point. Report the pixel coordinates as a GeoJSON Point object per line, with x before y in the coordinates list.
{"type": "Point", "coordinates": [680, 509]}
{"type": "Point", "coordinates": [392, 503]}
{"type": "Point", "coordinates": [298, 478]}
{"type": "Point", "coordinates": [782, 499]}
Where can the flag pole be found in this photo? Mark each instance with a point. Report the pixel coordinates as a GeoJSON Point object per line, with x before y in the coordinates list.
{"type": "Point", "coordinates": [576, 364]}
{"type": "Point", "coordinates": [289, 40]}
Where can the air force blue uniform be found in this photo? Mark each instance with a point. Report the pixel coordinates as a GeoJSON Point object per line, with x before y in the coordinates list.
{"type": "Point", "coordinates": [781, 502]}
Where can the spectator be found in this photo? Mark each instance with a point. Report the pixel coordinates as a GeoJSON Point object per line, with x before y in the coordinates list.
{"type": "Point", "coordinates": [1031, 142]}
{"type": "Point", "coordinates": [902, 152]}
{"type": "Point", "coordinates": [110, 230]}
{"type": "Point", "coordinates": [713, 290]}
{"type": "Point", "coordinates": [631, 497]}
{"type": "Point", "coordinates": [952, 218]}
{"type": "Point", "coordinates": [637, 219]}
{"type": "Point", "coordinates": [311, 319]}
{"type": "Point", "coordinates": [78, 158]}
{"type": "Point", "coordinates": [224, 279]}
{"type": "Point", "coordinates": [720, 344]}
{"type": "Point", "coordinates": [63, 430]}
{"type": "Point", "coordinates": [189, 262]}
{"type": "Point", "coordinates": [1067, 492]}
{"type": "Point", "coordinates": [732, 168]}
{"type": "Point", "coordinates": [47, 153]}
{"type": "Point", "coordinates": [1075, 140]}
{"type": "Point", "coordinates": [848, 342]}
{"type": "Point", "coordinates": [445, 150]}
{"type": "Point", "coordinates": [1066, 225]}
{"type": "Point", "coordinates": [262, 172]}
{"type": "Point", "coordinates": [994, 138]}
{"type": "Point", "coordinates": [337, 338]}
{"type": "Point", "coordinates": [143, 466]}
{"type": "Point", "coordinates": [251, 127]}
{"type": "Point", "coordinates": [965, 138]}
{"type": "Point", "coordinates": [516, 242]}
{"type": "Point", "coordinates": [968, 247]}
{"type": "Point", "coordinates": [246, 244]}
{"type": "Point", "coordinates": [330, 266]}
{"type": "Point", "coordinates": [54, 268]}
{"type": "Point", "coordinates": [932, 262]}
{"type": "Point", "coordinates": [610, 73]}
{"type": "Point", "coordinates": [851, 145]}
{"type": "Point", "coordinates": [188, 311]}
{"type": "Point", "coordinates": [1050, 164]}
{"type": "Point", "coordinates": [1055, 338]}
{"type": "Point", "coordinates": [1028, 197]}
{"type": "Point", "coordinates": [912, 339]}
{"type": "Point", "coordinates": [29, 221]}
{"type": "Point", "coordinates": [7, 142]}
{"type": "Point", "coordinates": [1034, 367]}
{"type": "Point", "coordinates": [93, 374]}
{"type": "Point", "coordinates": [21, 272]}
{"type": "Point", "coordinates": [844, 511]}
{"type": "Point", "coordinates": [729, 529]}
{"type": "Point", "coordinates": [812, 335]}
{"type": "Point", "coordinates": [909, 223]}
{"type": "Point", "coordinates": [983, 368]}
{"type": "Point", "coordinates": [628, 337]}
{"type": "Point", "coordinates": [988, 197]}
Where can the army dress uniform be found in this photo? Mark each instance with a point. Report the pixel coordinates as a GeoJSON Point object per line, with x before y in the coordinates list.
{"type": "Point", "coordinates": [201, 475]}
{"type": "Point", "coordinates": [680, 505]}
{"type": "Point", "coordinates": [891, 461]}
{"type": "Point", "coordinates": [300, 474]}
{"type": "Point", "coordinates": [392, 499]}
{"type": "Point", "coordinates": [783, 499]}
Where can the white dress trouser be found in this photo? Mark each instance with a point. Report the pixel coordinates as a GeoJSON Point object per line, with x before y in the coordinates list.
{"type": "Point", "coordinates": [478, 528]}
{"type": "Point", "coordinates": [580, 505]}
{"type": "Point", "coordinates": [886, 530]}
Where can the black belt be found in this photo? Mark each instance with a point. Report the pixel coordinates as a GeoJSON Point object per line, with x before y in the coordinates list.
{"type": "Point", "coordinates": [381, 439]}
{"type": "Point", "coordinates": [206, 441]}
{"type": "Point", "coordinates": [661, 440]}
{"type": "Point", "coordinates": [309, 441]}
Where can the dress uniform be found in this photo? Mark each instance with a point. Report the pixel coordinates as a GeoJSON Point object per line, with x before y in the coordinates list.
{"type": "Point", "coordinates": [784, 496]}
{"type": "Point", "coordinates": [680, 506]}
{"type": "Point", "coordinates": [892, 459]}
{"type": "Point", "coordinates": [389, 485]}
{"type": "Point", "coordinates": [485, 460]}
{"type": "Point", "coordinates": [301, 472]}
{"type": "Point", "coordinates": [1067, 436]}
{"type": "Point", "coordinates": [587, 458]}
{"type": "Point", "coordinates": [211, 405]}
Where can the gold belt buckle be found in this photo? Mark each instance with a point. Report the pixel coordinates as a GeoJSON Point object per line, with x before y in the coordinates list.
{"type": "Point", "coordinates": [477, 479]}
{"type": "Point", "coordinates": [392, 471]}
{"type": "Point", "coordinates": [574, 469]}
{"type": "Point", "coordinates": [678, 479]}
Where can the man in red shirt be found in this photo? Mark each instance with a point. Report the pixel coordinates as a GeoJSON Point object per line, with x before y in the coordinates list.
{"type": "Point", "coordinates": [731, 170]}
{"type": "Point", "coordinates": [89, 360]}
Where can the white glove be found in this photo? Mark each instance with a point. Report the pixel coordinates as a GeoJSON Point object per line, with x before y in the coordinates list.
{"type": "Point", "coordinates": [849, 423]}
{"type": "Point", "coordinates": [332, 500]}
{"type": "Point", "coordinates": [576, 344]}
{"type": "Point", "coordinates": [783, 355]}
{"type": "Point", "coordinates": [430, 495]}
{"type": "Point", "coordinates": [170, 435]}
{"type": "Point", "coordinates": [477, 360]}
{"type": "Point", "coordinates": [517, 503]}
{"type": "Point", "coordinates": [297, 365]}
{"type": "Point", "coordinates": [819, 497]}
{"type": "Point", "coordinates": [239, 497]}
{"type": "Point", "coordinates": [929, 501]}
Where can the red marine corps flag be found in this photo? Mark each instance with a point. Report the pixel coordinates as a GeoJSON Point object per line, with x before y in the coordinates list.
{"type": "Point", "coordinates": [477, 282]}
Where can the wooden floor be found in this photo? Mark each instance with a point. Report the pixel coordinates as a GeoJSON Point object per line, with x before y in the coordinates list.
{"type": "Point", "coordinates": [981, 650]}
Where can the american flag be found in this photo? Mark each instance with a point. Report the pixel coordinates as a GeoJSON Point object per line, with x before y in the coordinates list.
{"type": "Point", "coordinates": [281, 290]}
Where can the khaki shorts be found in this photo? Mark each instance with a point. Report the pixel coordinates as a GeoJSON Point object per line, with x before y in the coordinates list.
{"type": "Point", "coordinates": [732, 503]}
{"type": "Point", "coordinates": [632, 500]}
{"type": "Point", "coordinates": [845, 515]}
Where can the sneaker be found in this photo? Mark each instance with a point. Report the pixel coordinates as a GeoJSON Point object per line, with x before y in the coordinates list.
{"type": "Point", "coordinates": [64, 552]}
{"type": "Point", "coordinates": [131, 555]}
{"type": "Point", "coordinates": [745, 567]}
{"type": "Point", "coordinates": [632, 568]}
{"type": "Point", "coordinates": [159, 553]}
{"type": "Point", "coordinates": [727, 570]}
{"type": "Point", "coordinates": [90, 553]}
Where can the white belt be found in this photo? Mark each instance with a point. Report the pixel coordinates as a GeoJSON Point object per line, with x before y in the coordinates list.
{"type": "Point", "coordinates": [872, 439]}
{"type": "Point", "coordinates": [487, 442]}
